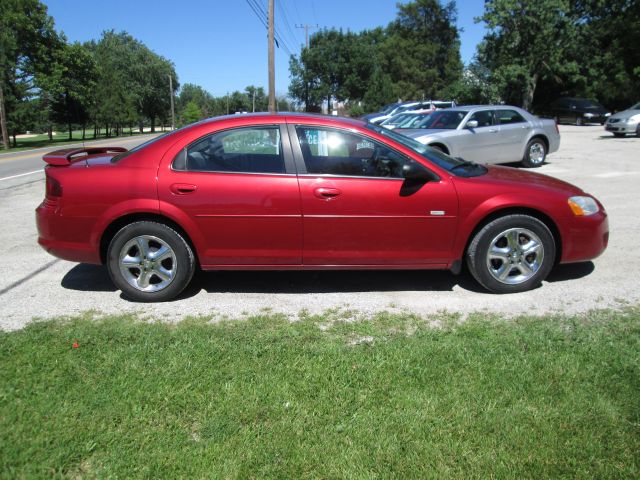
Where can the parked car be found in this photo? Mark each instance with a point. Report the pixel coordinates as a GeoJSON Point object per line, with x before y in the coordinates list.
{"type": "Point", "coordinates": [489, 134]}
{"type": "Point", "coordinates": [296, 191]}
{"type": "Point", "coordinates": [627, 121]}
{"type": "Point", "coordinates": [413, 106]}
{"type": "Point", "coordinates": [579, 111]}
{"type": "Point", "coordinates": [400, 119]}
{"type": "Point", "coordinates": [401, 108]}
{"type": "Point", "coordinates": [383, 111]}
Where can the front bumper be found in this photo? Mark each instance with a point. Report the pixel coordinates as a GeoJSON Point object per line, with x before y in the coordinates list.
{"type": "Point", "coordinates": [584, 238]}
{"type": "Point", "coordinates": [621, 127]}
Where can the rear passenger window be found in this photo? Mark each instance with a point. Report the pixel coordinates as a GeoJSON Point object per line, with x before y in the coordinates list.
{"type": "Point", "coordinates": [243, 150]}
{"type": "Point", "coordinates": [505, 117]}
{"type": "Point", "coordinates": [332, 152]}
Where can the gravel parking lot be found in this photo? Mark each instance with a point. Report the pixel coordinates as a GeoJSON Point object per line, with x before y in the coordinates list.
{"type": "Point", "coordinates": [36, 285]}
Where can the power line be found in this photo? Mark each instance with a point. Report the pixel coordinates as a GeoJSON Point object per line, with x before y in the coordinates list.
{"type": "Point", "coordinates": [285, 19]}
{"type": "Point", "coordinates": [258, 9]}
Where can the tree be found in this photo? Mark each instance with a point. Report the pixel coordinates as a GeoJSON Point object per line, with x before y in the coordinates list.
{"type": "Point", "coordinates": [69, 86]}
{"type": "Point", "coordinates": [527, 42]}
{"type": "Point", "coordinates": [190, 113]}
{"type": "Point", "coordinates": [27, 38]}
{"type": "Point", "coordinates": [422, 49]}
{"type": "Point", "coordinates": [190, 93]}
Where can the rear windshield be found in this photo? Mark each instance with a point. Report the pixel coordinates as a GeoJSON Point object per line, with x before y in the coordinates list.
{"type": "Point", "coordinates": [123, 155]}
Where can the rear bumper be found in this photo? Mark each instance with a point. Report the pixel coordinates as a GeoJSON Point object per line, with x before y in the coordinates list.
{"type": "Point", "coordinates": [584, 238]}
{"type": "Point", "coordinates": [61, 239]}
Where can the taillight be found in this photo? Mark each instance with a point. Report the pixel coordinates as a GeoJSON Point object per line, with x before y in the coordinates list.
{"type": "Point", "coordinates": [54, 188]}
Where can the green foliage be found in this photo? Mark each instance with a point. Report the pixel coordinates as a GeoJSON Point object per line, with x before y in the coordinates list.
{"type": "Point", "coordinates": [537, 51]}
{"type": "Point", "coordinates": [416, 56]}
{"type": "Point", "coordinates": [336, 395]}
{"type": "Point", "coordinates": [27, 43]}
{"type": "Point", "coordinates": [190, 113]}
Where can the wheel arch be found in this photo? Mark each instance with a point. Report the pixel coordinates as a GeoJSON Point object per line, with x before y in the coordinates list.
{"type": "Point", "coordinates": [532, 212]}
{"type": "Point", "coordinates": [440, 145]}
{"type": "Point", "coordinates": [120, 222]}
{"type": "Point", "coordinates": [542, 137]}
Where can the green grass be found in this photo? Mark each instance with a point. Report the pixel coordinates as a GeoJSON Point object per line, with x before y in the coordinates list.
{"type": "Point", "coordinates": [62, 138]}
{"type": "Point", "coordinates": [392, 396]}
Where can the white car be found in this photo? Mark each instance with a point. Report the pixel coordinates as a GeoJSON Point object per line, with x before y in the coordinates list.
{"type": "Point", "coordinates": [627, 121]}
{"type": "Point", "coordinates": [489, 134]}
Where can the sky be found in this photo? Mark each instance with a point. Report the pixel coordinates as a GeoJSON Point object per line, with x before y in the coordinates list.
{"type": "Point", "coordinates": [221, 45]}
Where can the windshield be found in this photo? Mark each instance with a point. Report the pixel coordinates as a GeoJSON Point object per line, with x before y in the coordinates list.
{"type": "Point", "coordinates": [388, 108]}
{"type": "Point", "coordinates": [588, 104]}
{"type": "Point", "coordinates": [413, 120]}
{"type": "Point", "coordinates": [635, 107]}
{"type": "Point", "coordinates": [442, 120]}
{"type": "Point", "coordinates": [395, 120]}
{"type": "Point", "coordinates": [456, 166]}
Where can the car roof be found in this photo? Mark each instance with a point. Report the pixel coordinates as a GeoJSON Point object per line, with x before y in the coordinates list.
{"type": "Point", "coordinates": [468, 108]}
{"type": "Point", "coordinates": [279, 117]}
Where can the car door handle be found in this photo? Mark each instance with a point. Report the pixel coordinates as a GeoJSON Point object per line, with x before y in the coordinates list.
{"type": "Point", "coordinates": [525, 127]}
{"type": "Point", "coordinates": [493, 131]}
{"type": "Point", "coordinates": [183, 188]}
{"type": "Point", "coordinates": [326, 193]}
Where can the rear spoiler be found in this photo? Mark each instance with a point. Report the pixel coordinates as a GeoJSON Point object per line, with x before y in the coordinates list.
{"type": "Point", "coordinates": [66, 156]}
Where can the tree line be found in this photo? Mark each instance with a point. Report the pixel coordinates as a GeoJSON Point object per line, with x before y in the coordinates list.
{"type": "Point", "coordinates": [47, 82]}
{"type": "Point", "coordinates": [533, 52]}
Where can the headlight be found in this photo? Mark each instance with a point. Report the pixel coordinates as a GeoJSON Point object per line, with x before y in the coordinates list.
{"type": "Point", "coordinates": [583, 206]}
{"type": "Point", "coordinates": [634, 119]}
{"type": "Point", "coordinates": [588, 115]}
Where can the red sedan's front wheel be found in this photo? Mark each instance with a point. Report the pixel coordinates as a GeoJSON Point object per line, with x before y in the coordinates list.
{"type": "Point", "coordinates": [511, 254]}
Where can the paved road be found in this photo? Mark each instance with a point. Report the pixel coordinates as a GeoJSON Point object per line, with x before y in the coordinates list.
{"type": "Point", "coordinates": [35, 284]}
{"type": "Point", "coordinates": [23, 167]}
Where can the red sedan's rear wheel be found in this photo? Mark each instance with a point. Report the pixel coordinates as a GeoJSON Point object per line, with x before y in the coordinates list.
{"type": "Point", "coordinates": [150, 262]}
{"type": "Point", "coordinates": [514, 253]}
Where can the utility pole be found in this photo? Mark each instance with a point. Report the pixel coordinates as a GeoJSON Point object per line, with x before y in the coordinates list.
{"type": "Point", "coordinates": [227, 103]}
{"type": "Point", "coordinates": [3, 120]}
{"type": "Point", "coordinates": [306, 27]}
{"type": "Point", "coordinates": [272, 73]}
{"type": "Point", "coordinates": [254, 101]}
{"type": "Point", "coordinates": [173, 111]}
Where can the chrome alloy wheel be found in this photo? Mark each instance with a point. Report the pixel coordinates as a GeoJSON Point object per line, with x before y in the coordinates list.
{"type": "Point", "coordinates": [147, 263]}
{"type": "Point", "coordinates": [536, 153]}
{"type": "Point", "coordinates": [515, 255]}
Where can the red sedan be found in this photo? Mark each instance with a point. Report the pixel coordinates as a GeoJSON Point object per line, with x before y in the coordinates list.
{"type": "Point", "coordinates": [295, 191]}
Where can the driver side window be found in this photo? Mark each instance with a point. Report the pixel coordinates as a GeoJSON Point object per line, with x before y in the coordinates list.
{"type": "Point", "coordinates": [334, 152]}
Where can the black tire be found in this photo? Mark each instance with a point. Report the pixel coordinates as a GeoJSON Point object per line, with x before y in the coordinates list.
{"type": "Point", "coordinates": [638, 130]}
{"type": "Point", "coordinates": [579, 121]}
{"type": "Point", "coordinates": [521, 228]}
{"type": "Point", "coordinates": [618, 135]}
{"type": "Point", "coordinates": [158, 251]}
{"type": "Point", "coordinates": [535, 154]}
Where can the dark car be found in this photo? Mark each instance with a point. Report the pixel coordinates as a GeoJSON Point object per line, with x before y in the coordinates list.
{"type": "Point", "coordinates": [578, 111]}
{"type": "Point", "coordinates": [306, 192]}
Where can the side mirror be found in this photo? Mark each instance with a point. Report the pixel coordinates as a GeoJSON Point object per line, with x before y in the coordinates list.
{"type": "Point", "coordinates": [416, 172]}
{"type": "Point", "coordinates": [472, 124]}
